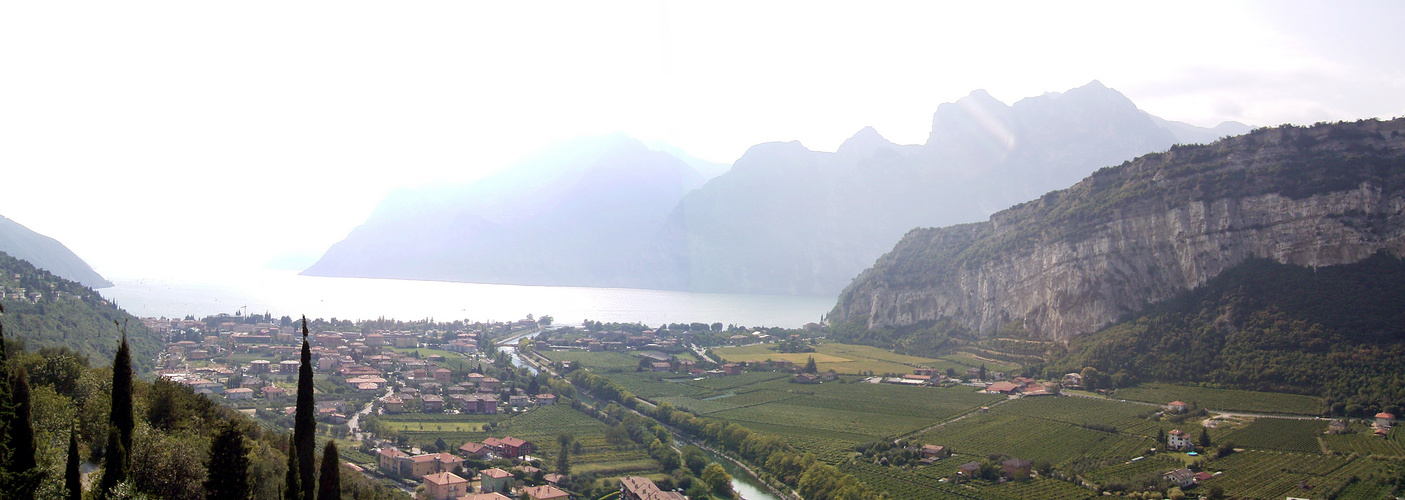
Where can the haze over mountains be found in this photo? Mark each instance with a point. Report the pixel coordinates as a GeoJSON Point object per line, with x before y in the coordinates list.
{"type": "Point", "coordinates": [47, 253]}
{"type": "Point", "coordinates": [783, 220]}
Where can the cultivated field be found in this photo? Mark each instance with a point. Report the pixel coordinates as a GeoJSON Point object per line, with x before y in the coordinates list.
{"type": "Point", "coordinates": [844, 358]}
{"type": "Point", "coordinates": [1224, 399]}
{"type": "Point", "coordinates": [1099, 438]}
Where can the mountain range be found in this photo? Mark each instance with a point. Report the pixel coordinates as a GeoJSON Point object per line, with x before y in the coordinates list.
{"type": "Point", "coordinates": [1076, 260]}
{"type": "Point", "coordinates": [784, 219]}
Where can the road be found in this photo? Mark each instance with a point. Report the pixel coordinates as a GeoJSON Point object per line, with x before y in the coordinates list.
{"type": "Point", "coordinates": [354, 423]}
{"type": "Point", "coordinates": [702, 353]}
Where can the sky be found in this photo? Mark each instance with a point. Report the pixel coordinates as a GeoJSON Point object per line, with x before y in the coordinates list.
{"type": "Point", "coordinates": [180, 139]}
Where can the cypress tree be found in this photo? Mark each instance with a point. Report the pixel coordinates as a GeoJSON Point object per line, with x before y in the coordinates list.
{"type": "Point", "coordinates": [21, 469]}
{"type": "Point", "coordinates": [21, 429]}
{"type": "Point", "coordinates": [228, 466]}
{"type": "Point", "coordinates": [329, 484]}
{"type": "Point", "coordinates": [304, 423]}
{"type": "Point", "coordinates": [114, 470]}
{"type": "Point", "coordinates": [121, 416]}
{"type": "Point", "coordinates": [72, 477]}
{"type": "Point", "coordinates": [292, 489]}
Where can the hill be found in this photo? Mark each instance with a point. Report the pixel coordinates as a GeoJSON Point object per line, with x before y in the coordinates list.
{"type": "Point", "coordinates": [68, 314]}
{"type": "Point", "coordinates": [1076, 260]}
{"type": "Point", "coordinates": [47, 253]}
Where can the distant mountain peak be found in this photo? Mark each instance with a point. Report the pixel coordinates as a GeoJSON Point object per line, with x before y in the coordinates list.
{"type": "Point", "coordinates": [865, 141]}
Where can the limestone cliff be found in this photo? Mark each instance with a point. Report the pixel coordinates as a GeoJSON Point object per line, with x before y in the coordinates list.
{"type": "Point", "coordinates": [1128, 236]}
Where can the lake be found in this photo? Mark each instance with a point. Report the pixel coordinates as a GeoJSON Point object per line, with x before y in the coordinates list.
{"type": "Point", "coordinates": [285, 293]}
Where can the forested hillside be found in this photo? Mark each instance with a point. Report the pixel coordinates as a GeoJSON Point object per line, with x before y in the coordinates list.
{"type": "Point", "coordinates": [68, 314]}
{"type": "Point", "coordinates": [1337, 332]}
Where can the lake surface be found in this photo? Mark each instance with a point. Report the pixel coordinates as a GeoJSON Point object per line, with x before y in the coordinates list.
{"type": "Point", "coordinates": [285, 293]}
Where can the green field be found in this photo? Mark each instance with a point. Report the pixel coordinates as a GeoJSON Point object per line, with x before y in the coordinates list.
{"type": "Point", "coordinates": [1362, 442]}
{"type": "Point", "coordinates": [1097, 438]}
{"type": "Point", "coordinates": [1280, 434]}
{"type": "Point", "coordinates": [602, 362]}
{"type": "Point", "coordinates": [1255, 474]}
{"type": "Point", "coordinates": [1224, 399]}
{"type": "Point", "coordinates": [434, 426]}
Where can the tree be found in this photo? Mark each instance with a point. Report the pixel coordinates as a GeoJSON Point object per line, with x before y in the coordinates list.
{"type": "Point", "coordinates": [1160, 433]}
{"type": "Point", "coordinates": [1204, 439]}
{"type": "Point", "coordinates": [440, 445]}
{"type": "Point", "coordinates": [20, 427]}
{"type": "Point", "coordinates": [305, 423]}
{"type": "Point", "coordinates": [1090, 377]}
{"type": "Point", "coordinates": [292, 480]}
{"type": "Point", "coordinates": [982, 374]}
{"type": "Point", "coordinates": [563, 459]}
{"type": "Point", "coordinates": [121, 416]}
{"type": "Point", "coordinates": [73, 477]}
{"type": "Point", "coordinates": [810, 366]}
{"type": "Point", "coordinates": [228, 466]}
{"type": "Point", "coordinates": [114, 469]}
{"type": "Point", "coordinates": [718, 479]}
{"type": "Point", "coordinates": [329, 484]}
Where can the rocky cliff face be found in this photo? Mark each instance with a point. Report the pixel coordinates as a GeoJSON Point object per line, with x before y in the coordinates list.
{"type": "Point", "coordinates": [1132, 235]}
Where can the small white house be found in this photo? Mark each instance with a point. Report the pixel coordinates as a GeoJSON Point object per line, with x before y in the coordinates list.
{"type": "Point", "coordinates": [1178, 440]}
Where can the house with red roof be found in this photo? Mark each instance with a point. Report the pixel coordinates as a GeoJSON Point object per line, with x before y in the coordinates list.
{"type": "Point", "coordinates": [444, 486]}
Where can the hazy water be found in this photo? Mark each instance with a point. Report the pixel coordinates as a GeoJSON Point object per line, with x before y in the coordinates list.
{"type": "Point", "coordinates": [285, 293]}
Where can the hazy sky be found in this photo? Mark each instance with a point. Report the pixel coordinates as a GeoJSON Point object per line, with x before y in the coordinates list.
{"type": "Point", "coordinates": [169, 139]}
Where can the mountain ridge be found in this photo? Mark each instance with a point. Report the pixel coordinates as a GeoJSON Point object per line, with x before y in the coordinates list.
{"type": "Point", "coordinates": [47, 253]}
{"type": "Point", "coordinates": [783, 219]}
{"type": "Point", "coordinates": [1074, 260]}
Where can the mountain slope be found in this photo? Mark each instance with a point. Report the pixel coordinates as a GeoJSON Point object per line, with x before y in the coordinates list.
{"type": "Point", "coordinates": [1336, 332]}
{"type": "Point", "coordinates": [69, 314]}
{"type": "Point", "coordinates": [576, 215]}
{"type": "Point", "coordinates": [1075, 260]}
{"type": "Point", "coordinates": [46, 253]}
{"type": "Point", "coordinates": [789, 220]}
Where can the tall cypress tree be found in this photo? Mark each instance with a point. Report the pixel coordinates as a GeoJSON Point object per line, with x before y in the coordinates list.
{"type": "Point", "coordinates": [329, 484]}
{"type": "Point", "coordinates": [121, 416]}
{"type": "Point", "coordinates": [228, 466]}
{"type": "Point", "coordinates": [21, 429]}
{"type": "Point", "coordinates": [72, 477]}
{"type": "Point", "coordinates": [304, 423]}
{"type": "Point", "coordinates": [114, 471]}
{"type": "Point", "coordinates": [21, 473]}
{"type": "Point", "coordinates": [292, 487]}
